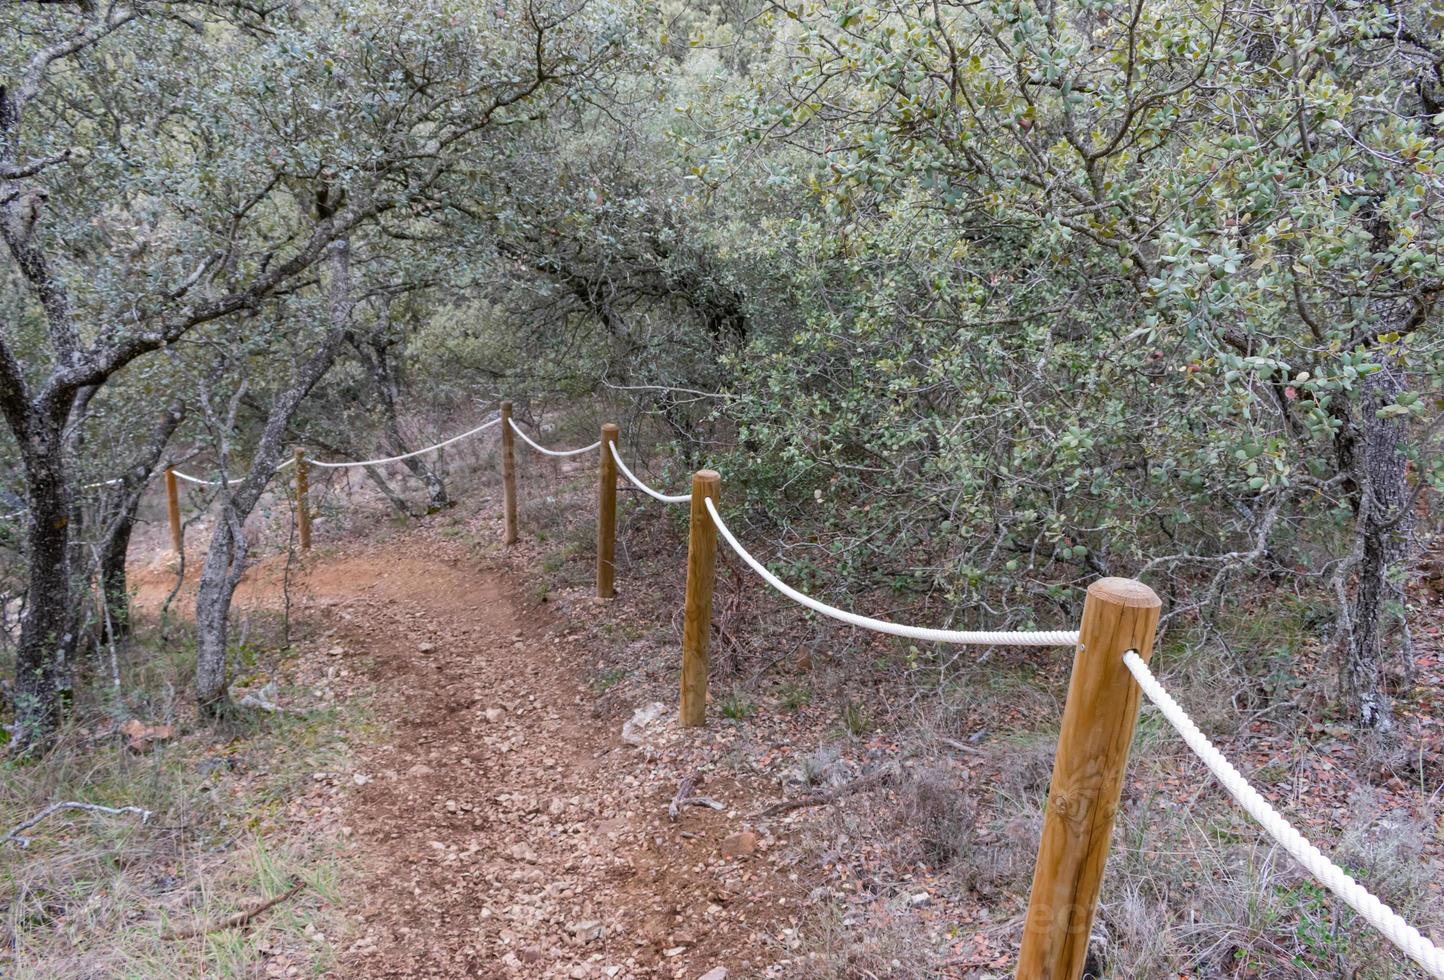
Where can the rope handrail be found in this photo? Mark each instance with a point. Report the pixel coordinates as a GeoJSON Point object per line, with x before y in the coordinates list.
{"type": "Point", "coordinates": [1050, 638]}
{"type": "Point", "coordinates": [665, 498]}
{"type": "Point", "coordinates": [1411, 941]}
{"type": "Point", "coordinates": [198, 481]}
{"type": "Point", "coordinates": [550, 452]}
{"type": "Point", "coordinates": [396, 459]}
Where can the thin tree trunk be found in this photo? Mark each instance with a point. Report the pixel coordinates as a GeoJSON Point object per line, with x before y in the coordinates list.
{"type": "Point", "coordinates": [115, 588]}
{"type": "Point", "coordinates": [397, 501]}
{"type": "Point", "coordinates": [226, 556]}
{"type": "Point", "coordinates": [377, 358]}
{"type": "Point", "coordinates": [117, 529]}
{"type": "Point", "coordinates": [1385, 536]}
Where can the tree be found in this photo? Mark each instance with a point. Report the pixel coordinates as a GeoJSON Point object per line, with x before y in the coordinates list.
{"type": "Point", "coordinates": [1105, 286]}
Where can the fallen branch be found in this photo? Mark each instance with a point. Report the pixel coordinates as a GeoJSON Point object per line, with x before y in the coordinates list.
{"type": "Point", "coordinates": [881, 776]}
{"type": "Point", "coordinates": [238, 919]}
{"type": "Point", "coordinates": [23, 842]}
{"type": "Point", "coordinates": [687, 796]}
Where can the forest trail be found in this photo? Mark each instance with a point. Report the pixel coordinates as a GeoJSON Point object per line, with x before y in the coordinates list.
{"type": "Point", "coordinates": [501, 829]}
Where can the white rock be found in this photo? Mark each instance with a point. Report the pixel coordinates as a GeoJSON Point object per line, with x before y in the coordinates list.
{"type": "Point", "coordinates": [634, 728]}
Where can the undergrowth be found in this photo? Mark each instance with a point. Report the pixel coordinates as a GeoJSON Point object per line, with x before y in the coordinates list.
{"type": "Point", "coordinates": [94, 894]}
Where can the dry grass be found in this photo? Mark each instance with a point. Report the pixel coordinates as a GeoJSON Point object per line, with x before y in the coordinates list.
{"type": "Point", "coordinates": [92, 894]}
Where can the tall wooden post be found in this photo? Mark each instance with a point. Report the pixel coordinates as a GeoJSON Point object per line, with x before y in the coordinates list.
{"type": "Point", "coordinates": [172, 506]}
{"type": "Point", "coordinates": [303, 507]}
{"type": "Point", "coordinates": [1098, 721]}
{"type": "Point", "coordinates": [697, 612]}
{"type": "Point", "coordinates": [607, 514]}
{"type": "Point", "coordinates": [508, 473]}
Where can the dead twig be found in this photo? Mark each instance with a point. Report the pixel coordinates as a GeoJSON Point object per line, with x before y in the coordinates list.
{"type": "Point", "coordinates": [881, 776]}
{"type": "Point", "coordinates": [23, 842]}
{"type": "Point", "coordinates": [687, 796]}
{"type": "Point", "coordinates": [237, 920]}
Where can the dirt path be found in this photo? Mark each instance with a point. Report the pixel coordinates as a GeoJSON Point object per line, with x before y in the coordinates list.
{"type": "Point", "coordinates": [502, 830]}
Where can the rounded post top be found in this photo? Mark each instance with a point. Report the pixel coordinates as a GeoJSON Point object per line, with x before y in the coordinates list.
{"type": "Point", "coordinates": [506, 408]}
{"type": "Point", "coordinates": [1124, 592]}
{"type": "Point", "coordinates": [610, 430]}
{"type": "Point", "coordinates": [706, 476]}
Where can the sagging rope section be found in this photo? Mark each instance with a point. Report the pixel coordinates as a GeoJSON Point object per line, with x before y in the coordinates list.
{"type": "Point", "coordinates": [1390, 924]}
{"type": "Point", "coordinates": [396, 459]}
{"type": "Point", "coordinates": [550, 452]}
{"type": "Point", "coordinates": [1049, 638]}
{"type": "Point", "coordinates": [665, 498]}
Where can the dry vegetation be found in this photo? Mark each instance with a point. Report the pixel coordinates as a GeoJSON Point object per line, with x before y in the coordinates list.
{"type": "Point", "coordinates": [98, 896]}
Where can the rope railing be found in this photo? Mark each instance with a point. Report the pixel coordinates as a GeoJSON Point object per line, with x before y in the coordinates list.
{"type": "Point", "coordinates": [1389, 923]}
{"type": "Point", "coordinates": [337, 465]}
{"type": "Point", "coordinates": [543, 449]}
{"type": "Point", "coordinates": [201, 482]}
{"type": "Point", "coordinates": [665, 498]}
{"type": "Point", "coordinates": [1047, 638]}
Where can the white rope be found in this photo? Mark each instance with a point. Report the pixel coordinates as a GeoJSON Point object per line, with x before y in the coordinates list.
{"type": "Point", "coordinates": [397, 459]}
{"type": "Point", "coordinates": [550, 452]}
{"type": "Point", "coordinates": [200, 482]}
{"type": "Point", "coordinates": [1413, 943]}
{"type": "Point", "coordinates": [680, 498]}
{"type": "Point", "coordinates": [1055, 638]}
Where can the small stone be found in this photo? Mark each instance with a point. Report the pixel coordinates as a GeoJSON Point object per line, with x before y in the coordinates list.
{"type": "Point", "coordinates": [586, 931]}
{"type": "Point", "coordinates": [426, 647]}
{"type": "Point", "coordinates": [494, 715]}
{"type": "Point", "coordinates": [919, 900]}
{"type": "Point", "coordinates": [716, 973]}
{"type": "Point", "coordinates": [739, 845]}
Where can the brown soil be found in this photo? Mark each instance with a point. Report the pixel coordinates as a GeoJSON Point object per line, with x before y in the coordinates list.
{"type": "Point", "coordinates": [501, 828]}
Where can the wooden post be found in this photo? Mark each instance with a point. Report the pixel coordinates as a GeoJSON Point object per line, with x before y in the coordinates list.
{"type": "Point", "coordinates": [607, 514]}
{"type": "Point", "coordinates": [303, 509]}
{"type": "Point", "coordinates": [1098, 721]}
{"type": "Point", "coordinates": [697, 612]}
{"type": "Point", "coordinates": [508, 473]}
{"type": "Point", "coordinates": [172, 505]}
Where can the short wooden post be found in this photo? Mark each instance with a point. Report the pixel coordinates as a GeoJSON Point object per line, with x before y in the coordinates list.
{"type": "Point", "coordinates": [508, 474]}
{"type": "Point", "coordinates": [697, 612]}
{"type": "Point", "coordinates": [172, 506]}
{"type": "Point", "coordinates": [607, 514]}
{"type": "Point", "coordinates": [1098, 721]}
{"type": "Point", "coordinates": [303, 507]}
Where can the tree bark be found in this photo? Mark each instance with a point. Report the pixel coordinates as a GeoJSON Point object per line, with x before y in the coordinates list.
{"type": "Point", "coordinates": [115, 537]}
{"type": "Point", "coordinates": [1385, 536]}
{"type": "Point", "coordinates": [47, 637]}
{"type": "Point", "coordinates": [376, 356]}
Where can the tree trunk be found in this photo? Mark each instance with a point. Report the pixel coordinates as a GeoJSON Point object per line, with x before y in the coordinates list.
{"type": "Point", "coordinates": [377, 358]}
{"type": "Point", "coordinates": [1385, 543]}
{"type": "Point", "coordinates": [114, 587]}
{"type": "Point", "coordinates": [226, 556]}
{"type": "Point", "coordinates": [397, 501]}
{"type": "Point", "coordinates": [47, 637]}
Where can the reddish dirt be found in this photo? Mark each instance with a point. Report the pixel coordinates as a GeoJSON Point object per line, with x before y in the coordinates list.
{"type": "Point", "coordinates": [504, 830]}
